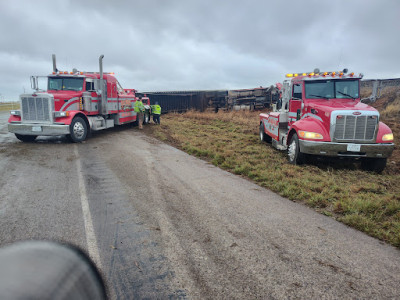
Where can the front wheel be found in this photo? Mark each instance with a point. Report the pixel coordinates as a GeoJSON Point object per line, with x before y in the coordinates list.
{"type": "Point", "coordinates": [295, 157]}
{"type": "Point", "coordinates": [26, 138]}
{"type": "Point", "coordinates": [78, 130]}
{"type": "Point", "coordinates": [376, 165]}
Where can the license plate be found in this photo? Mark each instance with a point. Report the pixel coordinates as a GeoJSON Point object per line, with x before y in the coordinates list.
{"type": "Point", "coordinates": [353, 147]}
{"type": "Point", "coordinates": [36, 128]}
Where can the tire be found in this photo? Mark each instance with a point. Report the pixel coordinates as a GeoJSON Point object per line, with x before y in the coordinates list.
{"type": "Point", "coordinates": [376, 165]}
{"type": "Point", "coordinates": [146, 118]}
{"type": "Point", "coordinates": [78, 130]}
{"type": "Point", "coordinates": [295, 157]}
{"type": "Point", "coordinates": [26, 138]}
{"type": "Point", "coordinates": [263, 136]}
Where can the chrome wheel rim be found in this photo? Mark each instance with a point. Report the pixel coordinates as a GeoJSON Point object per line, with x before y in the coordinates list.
{"type": "Point", "coordinates": [78, 130]}
{"type": "Point", "coordinates": [292, 150]}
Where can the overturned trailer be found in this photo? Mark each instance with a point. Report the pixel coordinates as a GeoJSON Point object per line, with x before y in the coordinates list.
{"type": "Point", "coordinates": [257, 98]}
{"type": "Point", "coordinates": [181, 101]}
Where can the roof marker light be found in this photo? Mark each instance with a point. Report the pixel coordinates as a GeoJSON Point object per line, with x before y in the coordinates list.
{"type": "Point", "coordinates": [289, 75]}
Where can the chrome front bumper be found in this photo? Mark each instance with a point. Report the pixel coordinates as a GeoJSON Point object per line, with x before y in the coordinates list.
{"type": "Point", "coordinates": [341, 149]}
{"type": "Point", "coordinates": [38, 129]}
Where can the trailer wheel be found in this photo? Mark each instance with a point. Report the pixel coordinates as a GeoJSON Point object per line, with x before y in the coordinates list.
{"type": "Point", "coordinates": [376, 165]}
{"type": "Point", "coordinates": [263, 136]}
{"type": "Point", "coordinates": [26, 138]}
{"type": "Point", "coordinates": [78, 130]}
{"type": "Point", "coordinates": [146, 118]}
{"type": "Point", "coordinates": [295, 157]}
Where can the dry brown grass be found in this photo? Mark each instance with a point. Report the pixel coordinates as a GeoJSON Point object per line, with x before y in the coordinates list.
{"type": "Point", "coordinates": [4, 106]}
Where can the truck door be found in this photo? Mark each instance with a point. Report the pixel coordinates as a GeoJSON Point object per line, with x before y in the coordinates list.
{"type": "Point", "coordinates": [295, 103]}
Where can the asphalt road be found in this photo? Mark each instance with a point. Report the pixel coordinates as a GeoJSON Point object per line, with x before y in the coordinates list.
{"type": "Point", "coordinates": [162, 224]}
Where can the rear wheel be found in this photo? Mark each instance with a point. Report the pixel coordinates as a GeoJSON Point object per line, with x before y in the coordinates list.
{"type": "Point", "coordinates": [78, 130]}
{"type": "Point", "coordinates": [295, 157]}
{"type": "Point", "coordinates": [376, 165]}
{"type": "Point", "coordinates": [146, 118]}
{"type": "Point", "coordinates": [263, 136]}
{"type": "Point", "coordinates": [26, 138]}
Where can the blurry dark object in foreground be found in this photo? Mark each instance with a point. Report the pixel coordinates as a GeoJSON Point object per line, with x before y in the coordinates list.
{"type": "Point", "coordinates": [47, 270]}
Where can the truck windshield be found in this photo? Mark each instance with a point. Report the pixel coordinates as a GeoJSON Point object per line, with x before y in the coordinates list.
{"type": "Point", "coordinates": [65, 84]}
{"type": "Point", "coordinates": [329, 89]}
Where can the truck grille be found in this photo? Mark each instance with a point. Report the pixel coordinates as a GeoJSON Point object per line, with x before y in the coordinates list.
{"type": "Point", "coordinates": [355, 128]}
{"type": "Point", "coordinates": [35, 109]}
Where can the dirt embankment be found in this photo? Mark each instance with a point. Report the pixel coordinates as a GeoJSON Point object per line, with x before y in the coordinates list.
{"type": "Point", "coordinates": [388, 105]}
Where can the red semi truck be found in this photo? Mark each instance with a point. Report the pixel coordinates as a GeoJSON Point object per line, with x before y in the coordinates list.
{"type": "Point", "coordinates": [321, 114]}
{"type": "Point", "coordinates": [74, 104]}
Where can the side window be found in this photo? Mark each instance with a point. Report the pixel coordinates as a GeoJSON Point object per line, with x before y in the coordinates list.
{"type": "Point", "coordinates": [89, 86]}
{"type": "Point", "coordinates": [297, 91]}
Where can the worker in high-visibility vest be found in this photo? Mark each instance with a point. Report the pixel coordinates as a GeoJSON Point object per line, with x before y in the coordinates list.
{"type": "Point", "coordinates": [156, 111]}
{"type": "Point", "coordinates": [139, 109]}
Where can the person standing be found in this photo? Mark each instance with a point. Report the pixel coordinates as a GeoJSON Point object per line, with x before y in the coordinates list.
{"type": "Point", "coordinates": [139, 109]}
{"type": "Point", "coordinates": [156, 111]}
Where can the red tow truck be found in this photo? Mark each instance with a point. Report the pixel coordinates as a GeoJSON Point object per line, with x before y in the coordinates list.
{"type": "Point", "coordinates": [74, 104]}
{"type": "Point", "coordinates": [320, 114]}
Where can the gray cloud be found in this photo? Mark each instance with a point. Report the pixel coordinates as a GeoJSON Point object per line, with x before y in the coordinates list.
{"type": "Point", "coordinates": [172, 45]}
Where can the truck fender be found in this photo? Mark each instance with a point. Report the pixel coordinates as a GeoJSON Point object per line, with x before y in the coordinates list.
{"type": "Point", "coordinates": [14, 118]}
{"type": "Point", "coordinates": [382, 130]}
{"type": "Point", "coordinates": [71, 115]}
{"type": "Point", "coordinates": [311, 125]}
{"type": "Point", "coordinates": [263, 119]}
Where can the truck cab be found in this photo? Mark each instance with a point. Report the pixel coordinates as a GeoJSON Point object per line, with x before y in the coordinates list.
{"type": "Point", "coordinates": [321, 114]}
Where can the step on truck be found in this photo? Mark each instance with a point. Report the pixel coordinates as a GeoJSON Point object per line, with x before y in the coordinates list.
{"type": "Point", "coordinates": [320, 114]}
{"type": "Point", "coordinates": [74, 104]}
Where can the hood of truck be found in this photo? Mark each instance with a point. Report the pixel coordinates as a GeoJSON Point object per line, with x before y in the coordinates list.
{"type": "Point", "coordinates": [328, 106]}
{"type": "Point", "coordinates": [63, 98]}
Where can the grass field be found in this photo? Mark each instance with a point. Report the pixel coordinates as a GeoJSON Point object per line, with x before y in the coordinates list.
{"type": "Point", "coordinates": [229, 140]}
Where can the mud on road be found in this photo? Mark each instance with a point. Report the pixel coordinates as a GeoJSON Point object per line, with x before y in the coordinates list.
{"type": "Point", "coordinates": [169, 225]}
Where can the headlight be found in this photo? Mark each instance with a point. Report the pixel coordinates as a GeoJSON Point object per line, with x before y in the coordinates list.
{"type": "Point", "coordinates": [387, 137]}
{"type": "Point", "coordinates": [15, 112]}
{"type": "Point", "coordinates": [310, 135]}
{"type": "Point", "coordinates": [60, 114]}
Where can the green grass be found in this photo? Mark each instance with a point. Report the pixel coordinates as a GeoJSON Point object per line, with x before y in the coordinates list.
{"type": "Point", "coordinates": [363, 200]}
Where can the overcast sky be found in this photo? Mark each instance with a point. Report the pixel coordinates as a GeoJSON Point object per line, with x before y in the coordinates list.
{"type": "Point", "coordinates": [196, 44]}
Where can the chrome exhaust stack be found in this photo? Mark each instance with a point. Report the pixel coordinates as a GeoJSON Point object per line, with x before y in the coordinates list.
{"type": "Point", "coordinates": [103, 106]}
{"type": "Point", "coordinates": [54, 63]}
{"type": "Point", "coordinates": [101, 65]}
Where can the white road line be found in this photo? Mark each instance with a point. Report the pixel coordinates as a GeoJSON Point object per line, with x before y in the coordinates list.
{"type": "Point", "coordinates": [87, 218]}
